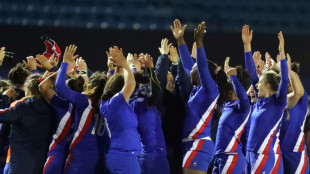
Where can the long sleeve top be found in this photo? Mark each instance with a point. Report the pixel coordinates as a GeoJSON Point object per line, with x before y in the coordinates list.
{"type": "Point", "coordinates": [201, 103]}
{"type": "Point", "coordinates": [266, 118]}
{"type": "Point", "coordinates": [235, 115]}
{"type": "Point", "coordinates": [90, 131]}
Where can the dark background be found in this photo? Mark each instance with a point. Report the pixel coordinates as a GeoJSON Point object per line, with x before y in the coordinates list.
{"type": "Point", "coordinates": [92, 44]}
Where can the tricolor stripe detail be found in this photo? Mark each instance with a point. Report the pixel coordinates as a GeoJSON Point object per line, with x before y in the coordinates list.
{"type": "Point", "coordinates": [235, 140]}
{"type": "Point", "coordinates": [276, 164]}
{"type": "Point", "coordinates": [301, 138]}
{"type": "Point", "coordinates": [47, 163]}
{"type": "Point", "coordinates": [302, 166]}
{"type": "Point", "coordinates": [259, 163]}
{"type": "Point", "coordinates": [276, 147]}
{"type": "Point", "coordinates": [190, 155]}
{"type": "Point", "coordinates": [63, 127]}
{"type": "Point", "coordinates": [264, 148]}
{"type": "Point", "coordinates": [203, 122]}
{"type": "Point", "coordinates": [12, 106]}
{"type": "Point", "coordinates": [230, 164]}
{"type": "Point", "coordinates": [69, 159]}
{"type": "Point", "coordinates": [85, 121]}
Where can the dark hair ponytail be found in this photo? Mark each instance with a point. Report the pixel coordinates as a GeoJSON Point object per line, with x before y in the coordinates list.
{"type": "Point", "coordinates": [77, 84]}
{"type": "Point", "coordinates": [243, 76]}
{"type": "Point", "coordinates": [222, 82]}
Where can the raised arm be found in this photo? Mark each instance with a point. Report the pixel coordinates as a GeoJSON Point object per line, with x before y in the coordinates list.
{"type": "Point", "coordinates": [156, 91]}
{"type": "Point", "coordinates": [174, 58]}
{"type": "Point", "coordinates": [119, 60]}
{"type": "Point", "coordinates": [205, 77]}
{"type": "Point", "coordinates": [282, 89]}
{"type": "Point", "coordinates": [249, 62]}
{"type": "Point", "coordinates": [298, 90]}
{"type": "Point", "coordinates": [162, 64]}
{"type": "Point", "coordinates": [178, 33]}
{"type": "Point", "coordinates": [45, 87]}
{"type": "Point", "coordinates": [62, 89]}
{"type": "Point", "coordinates": [240, 92]}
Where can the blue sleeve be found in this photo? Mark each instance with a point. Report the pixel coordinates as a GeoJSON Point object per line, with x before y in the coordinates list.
{"type": "Point", "coordinates": [282, 89]}
{"type": "Point", "coordinates": [183, 82]}
{"type": "Point", "coordinates": [64, 91]}
{"type": "Point", "coordinates": [205, 77]}
{"type": "Point", "coordinates": [244, 104]}
{"type": "Point", "coordinates": [186, 58]}
{"type": "Point", "coordinates": [250, 66]}
{"type": "Point", "coordinates": [161, 70]}
{"type": "Point", "coordinates": [60, 106]}
{"type": "Point", "coordinates": [35, 71]}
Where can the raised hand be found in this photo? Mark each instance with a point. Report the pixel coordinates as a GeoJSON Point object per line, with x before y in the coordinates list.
{"type": "Point", "coordinates": [71, 70]}
{"type": "Point", "coordinates": [194, 50]}
{"type": "Point", "coordinates": [81, 64]}
{"type": "Point", "coordinates": [148, 61]}
{"type": "Point", "coordinates": [178, 31]}
{"type": "Point", "coordinates": [247, 37]}
{"type": "Point", "coordinates": [257, 57]}
{"type": "Point", "coordinates": [231, 72]}
{"type": "Point", "coordinates": [109, 62]}
{"type": "Point", "coordinates": [199, 32]}
{"type": "Point", "coordinates": [2, 54]}
{"type": "Point", "coordinates": [281, 45]}
{"type": "Point", "coordinates": [174, 56]}
{"type": "Point", "coordinates": [117, 57]}
{"type": "Point", "coordinates": [226, 64]}
{"type": "Point", "coordinates": [164, 48]}
{"type": "Point", "coordinates": [261, 65]}
{"type": "Point", "coordinates": [289, 61]}
{"type": "Point", "coordinates": [69, 54]}
{"type": "Point", "coordinates": [31, 63]}
{"type": "Point", "coordinates": [137, 63]}
{"type": "Point", "coordinates": [43, 62]}
{"type": "Point", "coordinates": [53, 60]}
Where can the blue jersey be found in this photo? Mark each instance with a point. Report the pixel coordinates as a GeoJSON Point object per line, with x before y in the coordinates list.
{"type": "Point", "coordinates": [292, 137]}
{"type": "Point", "coordinates": [122, 123]}
{"type": "Point", "coordinates": [65, 113]}
{"type": "Point", "coordinates": [90, 133]}
{"type": "Point", "coordinates": [266, 118]}
{"type": "Point", "coordinates": [203, 98]}
{"type": "Point", "coordinates": [149, 128]}
{"type": "Point", "coordinates": [235, 115]}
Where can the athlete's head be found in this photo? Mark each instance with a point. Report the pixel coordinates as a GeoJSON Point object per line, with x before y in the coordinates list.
{"type": "Point", "coordinates": [18, 74]}
{"type": "Point", "coordinates": [31, 86]}
{"type": "Point", "coordinates": [113, 86]}
{"type": "Point", "coordinates": [220, 78]}
{"type": "Point", "coordinates": [195, 75]}
{"type": "Point", "coordinates": [76, 83]}
{"type": "Point", "coordinates": [243, 76]}
{"type": "Point", "coordinates": [95, 86]}
{"type": "Point", "coordinates": [4, 85]}
{"type": "Point", "coordinates": [143, 86]}
{"type": "Point", "coordinates": [170, 82]}
{"type": "Point", "coordinates": [268, 84]}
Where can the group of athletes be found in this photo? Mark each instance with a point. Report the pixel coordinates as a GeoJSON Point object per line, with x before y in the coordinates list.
{"type": "Point", "coordinates": [68, 120]}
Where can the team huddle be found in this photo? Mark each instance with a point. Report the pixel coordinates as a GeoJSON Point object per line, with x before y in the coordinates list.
{"type": "Point", "coordinates": [70, 120]}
